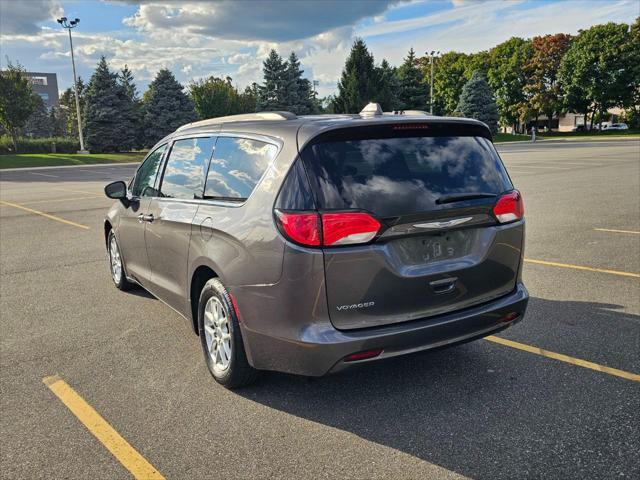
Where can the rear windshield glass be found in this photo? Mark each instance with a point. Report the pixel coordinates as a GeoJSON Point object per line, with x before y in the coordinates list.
{"type": "Point", "coordinates": [401, 176]}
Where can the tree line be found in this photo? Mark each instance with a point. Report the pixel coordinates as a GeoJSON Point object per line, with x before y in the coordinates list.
{"type": "Point", "coordinates": [515, 82]}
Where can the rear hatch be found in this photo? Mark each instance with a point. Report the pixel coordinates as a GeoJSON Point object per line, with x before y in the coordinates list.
{"type": "Point", "coordinates": [433, 188]}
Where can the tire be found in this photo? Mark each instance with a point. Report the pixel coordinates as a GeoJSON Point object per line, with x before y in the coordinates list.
{"type": "Point", "coordinates": [119, 276]}
{"type": "Point", "coordinates": [221, 338]}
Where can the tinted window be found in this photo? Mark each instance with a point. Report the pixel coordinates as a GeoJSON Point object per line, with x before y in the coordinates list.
{"type": "Point", "coordinates": [399, 176]}
{"type": "Point", "coordinates": [184, 173]}
{"type": "Point", "coordinates": [146, 175]}
{"type": "Point", "coordinates": [236, 167]}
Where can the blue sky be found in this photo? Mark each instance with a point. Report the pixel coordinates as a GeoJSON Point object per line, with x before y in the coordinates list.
{"type": "Point", "coordinates": [198, 38]}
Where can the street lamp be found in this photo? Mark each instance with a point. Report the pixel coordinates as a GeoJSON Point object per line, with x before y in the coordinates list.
{"type": "Point", "coordinates": [431, 57]}
{"type": "Point", "coordinates": [69, 24]}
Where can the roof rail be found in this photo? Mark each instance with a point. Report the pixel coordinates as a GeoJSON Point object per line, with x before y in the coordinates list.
{"type": "Point", "coordinates": [243, 117]}
{"type": "Point", "coordinates": [409, 112]}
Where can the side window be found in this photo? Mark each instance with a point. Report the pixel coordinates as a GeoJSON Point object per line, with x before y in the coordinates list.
{"type": "Point", "coordinates": [236, 167]}
{"type": "Point", "coordinates": [186, 166]}
{"type": "Point", "coordinates": [145, 178]}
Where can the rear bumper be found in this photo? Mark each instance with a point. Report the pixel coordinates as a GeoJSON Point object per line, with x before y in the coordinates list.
{"type": "Point", "coordinates": [320, 348]}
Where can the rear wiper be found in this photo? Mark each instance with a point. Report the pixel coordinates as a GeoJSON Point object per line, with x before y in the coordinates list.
{"type": "Point", "coordinates": [225, 199]}
{"type": "Point", "coordinates": [463, 196]}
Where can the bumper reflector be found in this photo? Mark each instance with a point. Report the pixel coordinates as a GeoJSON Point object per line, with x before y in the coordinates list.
{"type": "Point", "coordinates": [509, 317]}
{"type": "Point", "coordinates": [363, 355]}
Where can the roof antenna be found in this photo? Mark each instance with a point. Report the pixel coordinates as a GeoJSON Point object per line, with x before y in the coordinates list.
{"type": "Point", "coordinates": [371, 110]}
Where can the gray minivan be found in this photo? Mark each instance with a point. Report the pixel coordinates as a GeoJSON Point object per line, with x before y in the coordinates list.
{"type": "Point", "coordinates": [307, 244]}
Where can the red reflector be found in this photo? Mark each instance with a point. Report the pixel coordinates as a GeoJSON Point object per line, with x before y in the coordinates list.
{"type": "Point", "coordinates": [363, 355]}
{"type": "Point", "coordinates": [348, 228]}
{"type": "Point", "coordinates": [509, 317]}
{"type": "Point", "coordinates": [509, 207]}
{"type": "Point", "coordinates": [235, 305]}
{"type": "Point", "coordinates": [303, 228]}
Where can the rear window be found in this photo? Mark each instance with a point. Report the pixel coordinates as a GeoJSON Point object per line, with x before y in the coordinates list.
{"type": "Point", "coordinates": [400, 176]}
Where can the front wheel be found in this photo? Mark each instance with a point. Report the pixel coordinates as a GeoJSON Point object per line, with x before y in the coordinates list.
{"type": "Point", "coordinates": [116, 264]}
{"type": "Point", "coordinates": [221, 338]}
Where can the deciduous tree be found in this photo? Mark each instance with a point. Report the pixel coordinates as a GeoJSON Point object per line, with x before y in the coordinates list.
{"type": "Point", "coordinates": [541, 88]}
{"type": "Point", "coordinates": [506, 76]}
{"type": "Point", "coordinates": [17, 101]}
{"type": "Point", "coordinates": [596, 73]}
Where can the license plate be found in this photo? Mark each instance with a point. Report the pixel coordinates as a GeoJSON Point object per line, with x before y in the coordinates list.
{"type": "Point", "coordinates": [434, 248]}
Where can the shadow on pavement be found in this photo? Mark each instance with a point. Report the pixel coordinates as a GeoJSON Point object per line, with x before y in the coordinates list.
{"type": "Point", "coordinates": [480, 409]}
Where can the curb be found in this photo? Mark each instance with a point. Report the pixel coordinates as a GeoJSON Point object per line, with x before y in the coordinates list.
{"type": "Point", "coordinates": [93, 165]}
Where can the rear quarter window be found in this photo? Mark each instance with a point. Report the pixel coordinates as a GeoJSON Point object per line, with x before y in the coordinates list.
{"type": "Point", "coordinates": [403, 175]}
{"type": "Point", "coordinates": [237, 166]}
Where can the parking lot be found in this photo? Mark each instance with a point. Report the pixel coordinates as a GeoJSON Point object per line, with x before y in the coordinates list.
{"type": "Point", "coordinates": [556, 396]}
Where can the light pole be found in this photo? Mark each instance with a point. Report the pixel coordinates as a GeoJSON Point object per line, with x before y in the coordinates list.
{"type": "Point", "coordinates": [69, 25]}
{"type": "Point", "coordinates": [315, 87]}
{"type": "Point", "coordinates": [431, 57]}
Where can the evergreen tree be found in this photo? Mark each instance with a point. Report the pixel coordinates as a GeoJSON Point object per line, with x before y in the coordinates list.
{"type": "Point", "coordinates": [132, 109]}
{"type": "Point", "coordinates": [413, 88]}
{"type": "Point", "coordinates": [389, 86]}
{"type": "Point", "coordinates": [248, 99]}
{"type": "Point", "coordinates": [103, 125]}
{"type": "Point", "coordinates": [165, 107]}
{"type": "Point", "coordinates": [272, 94]}
{"type": "Point", "coordinates": [477, 101]}
{"type": "Point", "coordinates": [58, 122]}
{"type": "Point", "coordinates": [39, 123]}
{"type": "Point", "coordinates": [299, 97]}
{"type": "Point", "coordinates": [68, 111]}
{"type": "Point", "coordinates": [358, 83]}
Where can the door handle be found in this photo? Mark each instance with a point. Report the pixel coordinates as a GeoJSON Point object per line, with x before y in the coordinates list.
{"type": "Point", "coordinates": [145, 218]}
{"type": "Point", "coordinates": [446, 285]}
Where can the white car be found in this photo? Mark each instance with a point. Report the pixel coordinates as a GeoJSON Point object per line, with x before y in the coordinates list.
{"type": "Point", "coordinates": [616, 126]}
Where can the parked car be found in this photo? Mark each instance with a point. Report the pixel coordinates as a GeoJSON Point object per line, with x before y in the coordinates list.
{"type": "Point", "coordinates": [311, 244]}
{"type": "Point", "coordinates": [617, 126]}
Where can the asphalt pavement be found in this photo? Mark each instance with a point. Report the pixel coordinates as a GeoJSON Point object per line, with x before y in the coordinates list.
{"type": "Point", "coordinates": [549, 404]}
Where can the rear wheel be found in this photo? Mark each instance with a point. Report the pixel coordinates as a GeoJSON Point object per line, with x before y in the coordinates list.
{"type": "Point", "coordinates": [221, 338]}
{"type": "Point", "coordinates": [116, 264]}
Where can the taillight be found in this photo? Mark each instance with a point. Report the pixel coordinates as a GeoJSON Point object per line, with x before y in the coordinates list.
{"type": "Point", "coordinates": [303, 228]}
{"type": "Point", "coordinates": [348, 228]}
{"type": "Point", "coordinates": [328, 229]}
{"type": "Point", "coordinates": [509, 207]}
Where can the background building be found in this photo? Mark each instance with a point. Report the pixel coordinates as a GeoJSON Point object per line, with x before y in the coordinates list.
{"type": "Point", "coordinates": [46, 86]}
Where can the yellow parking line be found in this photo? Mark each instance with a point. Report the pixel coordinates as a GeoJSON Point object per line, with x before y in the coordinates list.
{"type": "Point", "coordinates": [43, 214]}
{"type": "Point", "coordinates": [75, 191]}
{"type": "Point", "coordinates": [63, 199]}
{"type": "Point", "coordinates": [616, 231]}
{"type": "Point", "coordinates": [565, 358]}
{"type": "Point", "coordinates": [100, 428]}
{"type": "Point", "coordinates": [581, 267]}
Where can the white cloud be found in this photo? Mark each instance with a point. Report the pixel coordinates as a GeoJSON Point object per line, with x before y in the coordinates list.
{"type": "Point", "coordinates": [23, 16]}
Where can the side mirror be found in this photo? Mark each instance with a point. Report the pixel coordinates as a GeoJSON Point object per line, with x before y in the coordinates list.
{"type": "Point", "coordinates": [116, 190]}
